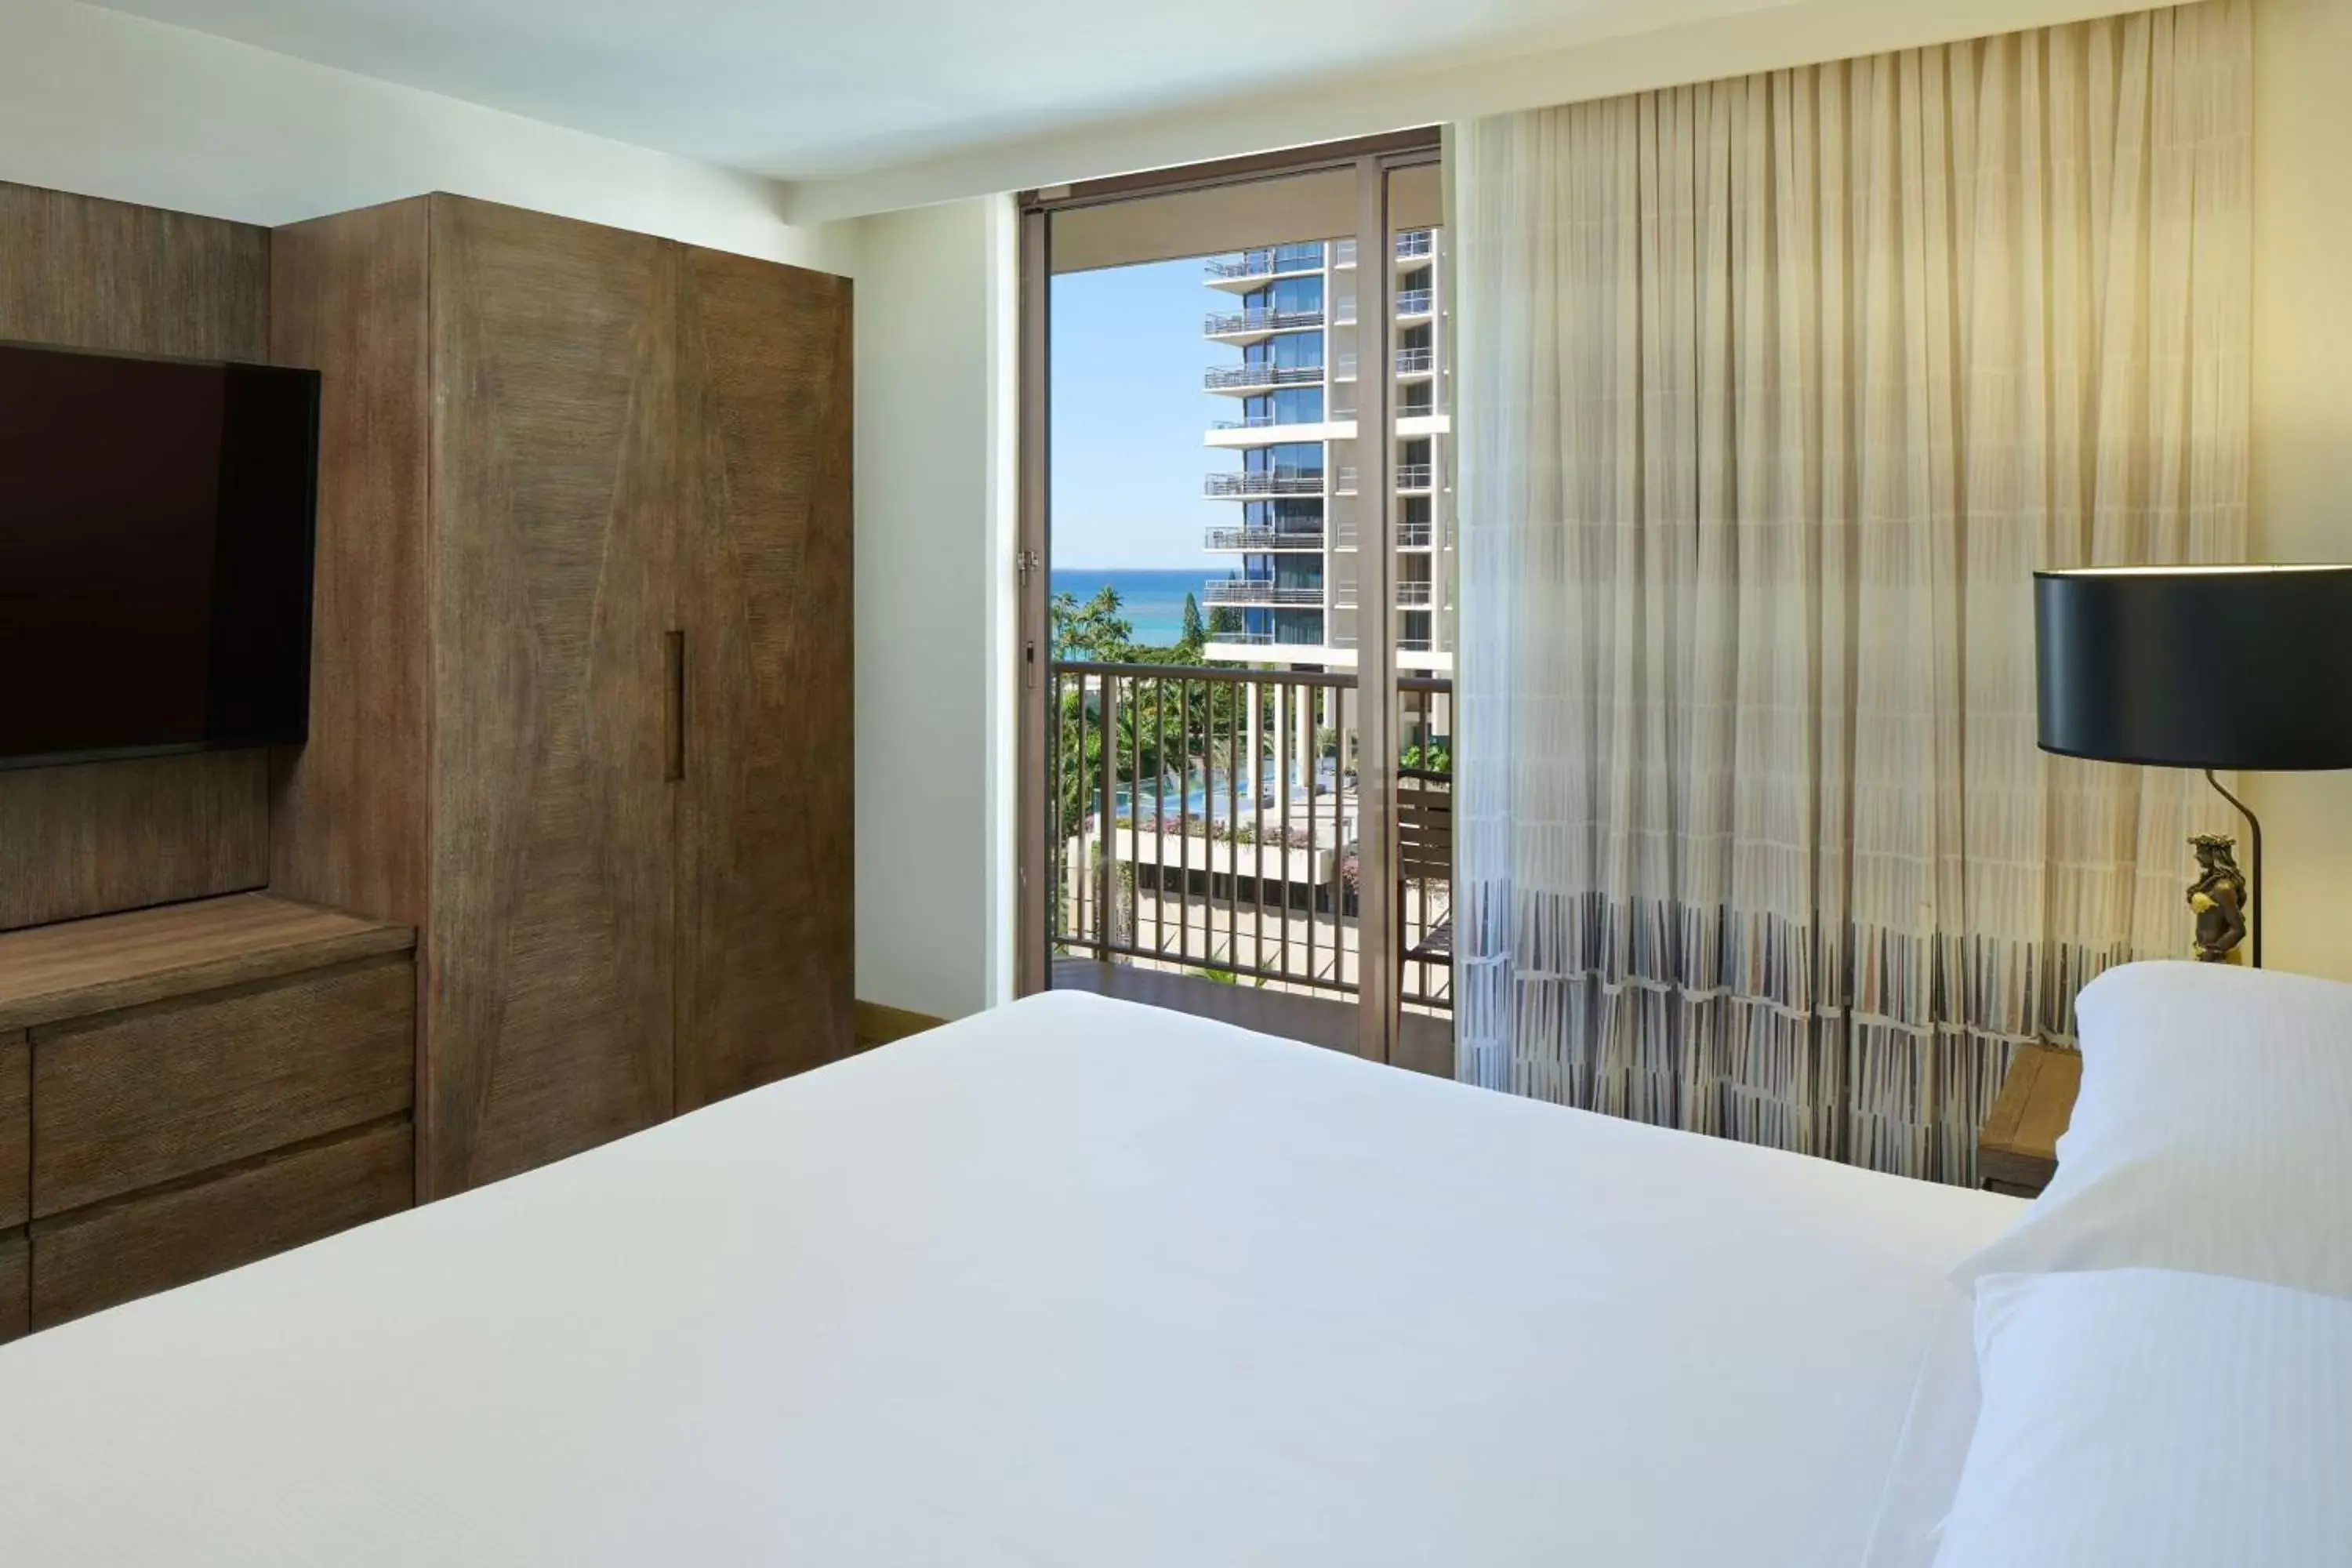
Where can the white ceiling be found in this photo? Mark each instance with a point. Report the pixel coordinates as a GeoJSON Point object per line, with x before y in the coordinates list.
{"type": "Point", "coordinates": [804, 89]}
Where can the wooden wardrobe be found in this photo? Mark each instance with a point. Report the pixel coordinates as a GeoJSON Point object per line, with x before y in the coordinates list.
{"type": "Point", "coordinates": [581, 696]}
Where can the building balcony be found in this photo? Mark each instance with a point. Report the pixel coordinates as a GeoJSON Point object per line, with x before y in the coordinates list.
{"type": "Point", "coordinates": [1413, 245]}
{"type": "Point", "coordinates": [1274, 261]}
{"type": "Point", "coordinates": [1240, 325]}
{"type": "Point", "coordinates": [1312, 427]}
{"type": "Point", "coordinates": [1410, 477]}
{"type": "Point", "coordinates": [1261, 591]}
{"type": "Point", "coordinates": [1410, 595]}
{"type": "Point", "coordinates": [1410, 536]}
{"type": "Point", "coordinates": [1255, 378]}
{"type": "Point", "coordinates": [1265, 482]}
{"type": "Point", "coordinates": [1265, 539]}
{"type": "Point", "coordinates": [1416, 301]}
{"type": "Point", "coordinates": [1416, 362]}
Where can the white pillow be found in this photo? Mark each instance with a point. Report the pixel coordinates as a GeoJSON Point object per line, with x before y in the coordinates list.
{"type": "Point", "coordinates": [2139, 1418]}
{"type": "Point", "coordinates": [2213, 1133]}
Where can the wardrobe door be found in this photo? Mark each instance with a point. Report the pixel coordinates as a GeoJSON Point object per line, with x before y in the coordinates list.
{"type": "Point", "coordinates": [548, 1008]}
{"type": "Point", "coordinates": [765, 903]}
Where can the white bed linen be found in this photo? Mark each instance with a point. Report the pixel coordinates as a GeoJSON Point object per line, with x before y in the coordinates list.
{"type": "Point", "coordinates": [1071, 1283]}
{"type": "Point", "coordinates": [1934, 1448]}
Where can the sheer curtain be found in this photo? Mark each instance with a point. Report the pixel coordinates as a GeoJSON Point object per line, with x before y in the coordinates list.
{"type": "Point", "coordinates": [1774, 393]}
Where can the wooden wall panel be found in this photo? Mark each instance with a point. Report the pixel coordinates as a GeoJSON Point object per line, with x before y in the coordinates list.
{"type": "Point", "coordinates": [352, 813]}
{"type": "Point", "coordinates": [103, 837]}
{"type": "Point", "coordinates": [95, 274]}
{"type": "Point", "coordinates": [765, 898]}
{"type": "Point", "coordinates": [547, 996]}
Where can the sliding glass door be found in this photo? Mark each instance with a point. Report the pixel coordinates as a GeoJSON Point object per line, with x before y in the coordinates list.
{"type": "Point", "coordinates": [1236, 635]}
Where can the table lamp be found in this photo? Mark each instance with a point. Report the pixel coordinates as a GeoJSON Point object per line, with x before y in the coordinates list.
{"type": "Point", "coordinates": [2198, 667]}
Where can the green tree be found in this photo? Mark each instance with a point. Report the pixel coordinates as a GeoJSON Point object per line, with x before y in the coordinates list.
{"type": "Point", "coordinates": [1093, 632]}
{"type": "Point", "coordinates": [1196, 630]}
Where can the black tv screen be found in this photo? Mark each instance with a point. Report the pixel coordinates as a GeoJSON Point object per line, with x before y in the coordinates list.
{"type": "Point", "coordinates": [156, 529]}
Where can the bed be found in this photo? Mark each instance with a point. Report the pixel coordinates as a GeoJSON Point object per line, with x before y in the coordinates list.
{"type": "Point", "coordinates": [1073, 1282]}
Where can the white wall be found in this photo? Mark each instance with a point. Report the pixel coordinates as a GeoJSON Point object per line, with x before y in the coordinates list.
{"type": "Point", "coordinates": [108, 105]}
{"type": "Point", "coordinates": [935, 593]}
{"type": "Point", "coordinates": [2303, 426]}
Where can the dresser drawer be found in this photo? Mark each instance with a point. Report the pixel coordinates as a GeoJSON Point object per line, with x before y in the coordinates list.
{"type": "Point", "coordinates": [139, 1245]}
{"type": "Point", "coordinates": [128, 1100]}
{"type": "Point", "coordinates": [16, 1287]}
{"type": "Point", "coordinates": [15, 1130]}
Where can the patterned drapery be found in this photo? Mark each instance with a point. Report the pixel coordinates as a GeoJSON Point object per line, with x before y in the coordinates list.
{"type": "Point", "coordinates": [1774, 393]}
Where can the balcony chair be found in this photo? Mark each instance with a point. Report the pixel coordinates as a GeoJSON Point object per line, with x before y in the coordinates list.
{"type": "Point", "coordinates": [1425, 854]}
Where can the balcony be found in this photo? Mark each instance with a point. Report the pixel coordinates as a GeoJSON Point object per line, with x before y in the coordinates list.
{"type": "Point", "coordinates": [1272, 262]}
{"type": "Point", "coordinates": [1415, 596]}
{"type": "Point", "coordinates": [1265, 539]}
{"type": "Point", "coordinates": [1252, 377]}
{"type": "Point", "coordinates": [1261, 591]}
{"type": "Point", "coordinates": [1419, 243]}
{"type": "Point", "coordinates": [1264, 482]}
{"type": "Point", "coordinates": [1259, 323]}
{"type": "Point", "coordinates": [1416, 303]}
{"type": "Point", "coordinates": [1416, 535]}
{"type": "Point", "coordinates": [1415, 476]}
{"type": "Point", "coordinates": [1416, 362]}
{"type": "Point", "coordinates": [1275, 421]}
{"type": "Point", "coordinates": [1206, 821]}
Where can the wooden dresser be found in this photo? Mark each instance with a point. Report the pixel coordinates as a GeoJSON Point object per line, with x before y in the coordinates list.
{"type": "Point", "coordinates": [188, 1089]}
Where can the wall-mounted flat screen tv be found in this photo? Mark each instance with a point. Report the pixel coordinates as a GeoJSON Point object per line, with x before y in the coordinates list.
{"type": "Point", "coordinates": [157, 519]}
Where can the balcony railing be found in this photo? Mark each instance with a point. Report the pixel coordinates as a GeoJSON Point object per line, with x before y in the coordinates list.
{"type": "Point", "coordinates": [1418, 243]}
{"type": "Point", "coordinates": [1415, 596]}
{"type": "Point", "coordinates": [1226, 323]}
{"type": "Point", "coordinates": [1261, 591]}
{"type": "Point", "coordinates": [1229, 378]}
{"type": "Point", "coordinates": [1207, 820]}
{"type": "Point", "coordinates": [1275, 421]}
{"type": "Point", "coordinates": [1416, 535]}
{"type": "Point", "coordinates": [1415, 302]}
{"type": "Point", "coordinates": [1265, 482]}
{"type": "Point", "coordinates": [1415, 476]}
{"type": "Point", "coordinates": [1267, 262]}
{"type": "Point", "coordinates": [1265, 539]}
{"type": "Point", "coordinates": [1415, 362]}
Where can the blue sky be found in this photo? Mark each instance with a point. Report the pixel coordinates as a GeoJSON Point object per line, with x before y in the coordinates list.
{"type": "Point", "coordinates": [1127, 418]}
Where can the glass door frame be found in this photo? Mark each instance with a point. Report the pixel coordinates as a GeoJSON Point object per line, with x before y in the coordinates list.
{"type": "Point", "coordinates": [1378, 911]}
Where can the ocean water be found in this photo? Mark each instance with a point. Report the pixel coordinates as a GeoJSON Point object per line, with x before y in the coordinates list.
{"type": "Point", "coordinates": [1152, 600]}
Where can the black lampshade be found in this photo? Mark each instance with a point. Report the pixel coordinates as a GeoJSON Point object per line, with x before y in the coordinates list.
{"type": "Point", "coordinates": [2197, 666]}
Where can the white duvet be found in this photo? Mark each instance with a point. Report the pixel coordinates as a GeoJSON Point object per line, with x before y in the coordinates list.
{"type": "Point", "coordinates": [1073, 1283]}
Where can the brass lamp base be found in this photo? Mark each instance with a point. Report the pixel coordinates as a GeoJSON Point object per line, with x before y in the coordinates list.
{"type": "Point", "coordinates": [2218, 898]}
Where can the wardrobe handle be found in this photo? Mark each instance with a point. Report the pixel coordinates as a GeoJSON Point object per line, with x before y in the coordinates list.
{"type": "Point", "coordinates": [673, 735]}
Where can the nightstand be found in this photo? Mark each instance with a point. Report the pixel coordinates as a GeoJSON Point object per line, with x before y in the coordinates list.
{"type": "Point", "coordinates": [2017, 1148]}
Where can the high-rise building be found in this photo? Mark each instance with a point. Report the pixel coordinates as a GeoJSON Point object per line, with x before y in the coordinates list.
{"type": "Point", "coordinates": [1294, 322]}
